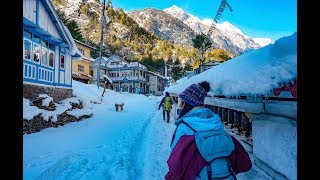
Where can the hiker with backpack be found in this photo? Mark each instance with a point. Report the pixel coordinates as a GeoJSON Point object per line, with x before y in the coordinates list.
{"type": "Point", "coordinates": [200, 146]}
{"type": "Point", "coordinates": [166, 103]}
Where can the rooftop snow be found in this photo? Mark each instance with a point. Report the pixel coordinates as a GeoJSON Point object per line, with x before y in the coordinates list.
{"type": "Point", "coordinates": [255, 72]}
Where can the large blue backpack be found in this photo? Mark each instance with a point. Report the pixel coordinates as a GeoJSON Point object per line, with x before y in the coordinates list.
{"type": "Point", "coordinates": [215, 146]}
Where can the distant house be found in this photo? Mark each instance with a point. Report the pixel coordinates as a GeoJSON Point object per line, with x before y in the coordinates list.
{"type": "Point", "coordinates": [81, 67]}
{"type": "Point", "coordinates": [48, 49]}
{"type": "Point", "coordinates": [155, 83]}
{"type": "Point", "coordinates": [125, 76]}
{"type": "Point", "coordinates": [206, 66]}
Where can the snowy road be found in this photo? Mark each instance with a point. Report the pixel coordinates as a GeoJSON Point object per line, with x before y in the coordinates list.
{"type": "Point", "coordinates": [110, 145]}
{"type": "Point", "coordinates": [132, 144]}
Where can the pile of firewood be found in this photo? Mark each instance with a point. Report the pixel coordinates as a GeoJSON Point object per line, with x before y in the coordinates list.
{"type": "Point", "coordinates": [35, 125]}
{"type": "Point", "coordinates": [38, 102]}
{"type": "Point", "coordinates": [77, 105]}
{"type": "Point", "coordinates": [38, 123]}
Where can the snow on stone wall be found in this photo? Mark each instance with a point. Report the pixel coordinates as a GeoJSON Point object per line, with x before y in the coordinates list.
{"type": "Point", "coordinates": [252, 73]}
{"type": "Point", "coordinates": [275, 143]}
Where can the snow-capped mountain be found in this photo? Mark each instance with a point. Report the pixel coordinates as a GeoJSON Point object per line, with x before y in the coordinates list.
{"type": "Point", "coordinates": [163, 25]}
{"type": "Point", "coordinates": [263, 41]}
{"type": "Point", "coordinates": [225, 35]}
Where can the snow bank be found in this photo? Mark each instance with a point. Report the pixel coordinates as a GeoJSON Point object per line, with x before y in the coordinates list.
{"type": "Point", "coordinates": [80, 112]}
{"type": "Point", "coordinates": [30, 111]}
{"type": "Point", "coordinates": [255, 72]}
{"type": "Point", "coordinates": [47, 99]}
{"type": "Point", "coordinates": [93, 94]}
{"type": "Point", "coordinates": [85, 102]}
{"type": "Point", "coordinates": [275, 143]}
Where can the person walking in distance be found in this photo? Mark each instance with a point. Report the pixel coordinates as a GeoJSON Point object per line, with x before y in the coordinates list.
{"type": "Point", "coordinates": [166, 103]}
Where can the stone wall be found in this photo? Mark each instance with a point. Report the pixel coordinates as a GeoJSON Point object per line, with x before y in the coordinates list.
{"type": "Point", "coordinates": [275, 143]}
{"type": "Point", "coordinates": [32, 91]}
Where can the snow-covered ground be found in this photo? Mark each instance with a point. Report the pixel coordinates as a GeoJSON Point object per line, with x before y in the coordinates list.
{"type": "Point", "coordinates": [132, 144]}
{"type": "Point", "coordinates": [105, 146]}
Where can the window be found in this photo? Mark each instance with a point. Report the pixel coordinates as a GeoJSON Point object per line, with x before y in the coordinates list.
{"type": "Point", "coordinates": [44, 58]}
{"type": "Point", "coordinates": [36, 38]}
{"type": "Point", "coordinates": [52, 47]}
{"type": "Point", "coordinates": [80, 68]}
{"type": "Point", "coordinates": [44, 43]}
{"type": "Point", "coordinates": [36, 53]}
{"type": "Point", "coordinates": [51, 59]}
{"type": "Point", "coordinates": [62, 61]}
{"type": "Point", "coordinates": [27, 50]}
{"type": "Point", "coordinates": [91, 72]}
{"type": "Point", "coordinates": [81, 50]}
{"type": "Point", "coordinates": [27, 34]}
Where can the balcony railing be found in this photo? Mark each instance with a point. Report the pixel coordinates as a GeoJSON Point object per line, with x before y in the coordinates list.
{"type": "Point", "coordinates": [127, 77]}
{"type": "Point", "coordinates": [132, 64]}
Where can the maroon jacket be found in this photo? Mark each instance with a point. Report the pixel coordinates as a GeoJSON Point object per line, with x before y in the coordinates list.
{"type": "Point", "coordinates": [185, 161]}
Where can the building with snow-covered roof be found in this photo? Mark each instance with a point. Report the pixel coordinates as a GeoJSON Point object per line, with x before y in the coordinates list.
{"type": "Point", "coordinates": [126, 77]}
{"type": "Point", "coordinates": [81, 70]}
{"type": "Point", "coordinates": [48, 50]}
{"type": "Point", "coordinates": [206, 66]}
{"type": "Point", "coordinates": [155, 83]}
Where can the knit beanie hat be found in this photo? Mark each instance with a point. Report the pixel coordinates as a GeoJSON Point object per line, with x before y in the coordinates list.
{"type": "Point", "coordinates": [194, 95]}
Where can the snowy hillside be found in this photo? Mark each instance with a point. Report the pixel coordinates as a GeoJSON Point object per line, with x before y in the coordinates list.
{"type": "Point", "coordinates": [186, 18]}
{"type": "Point", "coordinates": [163, 25]}
{"type": "Point", "coordinates": [263, 41]}
{"type": "Point", "coordinates": [254, 72]}
{"type": "Point", "coordinates": [225, 35]}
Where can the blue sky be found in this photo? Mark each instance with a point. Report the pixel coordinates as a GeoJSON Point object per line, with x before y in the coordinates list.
{"type": "Point", "coordinates": [257, 18]}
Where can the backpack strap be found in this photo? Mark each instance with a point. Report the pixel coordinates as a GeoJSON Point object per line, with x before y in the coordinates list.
{"type": "Point", "coordinates": [230, 168]}
{"type": "Point", "coordinates": [209, 170]}
{"type": "Point", "coordinates": [174, 133]}
{"type": "Point", "coordinates": [183, 122]}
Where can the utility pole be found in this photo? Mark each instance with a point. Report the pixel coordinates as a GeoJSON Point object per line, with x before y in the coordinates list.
{"type": "Point", "coordinates": [103, 25]}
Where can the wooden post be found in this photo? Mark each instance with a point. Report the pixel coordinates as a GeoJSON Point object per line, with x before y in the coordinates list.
{"type": "Point", "coordinates": [230, 117]}
{"type": "Point", "coordinates": [220, 112]}
{"type": "Point", "coordinates": [215, 109]}
{"type": "Point", "coordinates": [245, 124]}
{"type": "Point", "coordinates": [224, 115]}
{"type": "Point", "coordinates": [237, 118]}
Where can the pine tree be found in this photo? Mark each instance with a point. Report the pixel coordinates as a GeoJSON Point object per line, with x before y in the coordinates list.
{"type": "Point", "coordinates": [187, 66]}
{"type": "Point", "coordinates": [176, 70]}
{"type": "Point", "coordinates": [75, 30]}
{"type": "Point", "coordinates": [202, 43]}
{"type": "Point", "coordinates": [72, 27]}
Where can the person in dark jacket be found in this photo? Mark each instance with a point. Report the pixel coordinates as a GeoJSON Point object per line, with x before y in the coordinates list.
{"type": "Point", "coordinates": [166, 103]}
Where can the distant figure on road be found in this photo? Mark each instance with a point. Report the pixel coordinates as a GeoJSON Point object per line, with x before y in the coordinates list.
{"type": "Point", "coordinates": [166, 103]}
